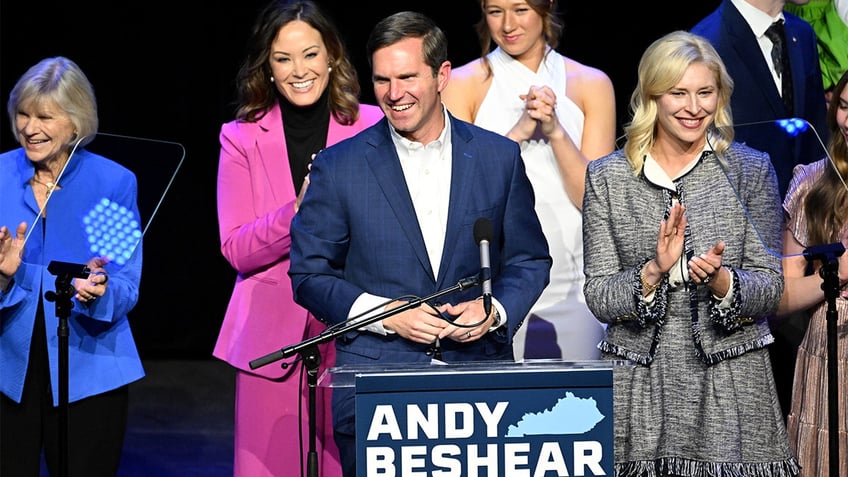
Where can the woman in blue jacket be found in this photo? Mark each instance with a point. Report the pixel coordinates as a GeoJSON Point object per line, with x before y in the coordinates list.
{"type": "Point", "coordinates": [60, 203]}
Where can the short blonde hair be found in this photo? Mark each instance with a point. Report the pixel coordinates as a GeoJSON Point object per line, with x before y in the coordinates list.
{"type": "Point", "coordinates": [60, 80]}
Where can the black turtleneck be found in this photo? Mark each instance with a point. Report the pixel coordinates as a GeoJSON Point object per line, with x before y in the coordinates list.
{"type": "Point", "coordinates": [305, 129]}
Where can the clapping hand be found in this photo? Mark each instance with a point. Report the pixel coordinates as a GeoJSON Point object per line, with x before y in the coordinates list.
{"type": "Point", "coordinates": [11, 249]}
{"type": "Point", "coordinates": [670, 237]}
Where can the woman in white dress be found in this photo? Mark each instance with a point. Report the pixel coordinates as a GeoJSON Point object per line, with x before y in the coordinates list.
{"type": "Point", "coordinates": [563, 114]}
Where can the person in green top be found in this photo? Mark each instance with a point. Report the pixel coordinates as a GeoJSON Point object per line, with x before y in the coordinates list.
{"type": "Point", "coordinates": [829, 19]}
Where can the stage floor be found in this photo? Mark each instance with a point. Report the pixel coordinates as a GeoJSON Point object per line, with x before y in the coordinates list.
{"type": "Point", "coordinates": [180, 421]}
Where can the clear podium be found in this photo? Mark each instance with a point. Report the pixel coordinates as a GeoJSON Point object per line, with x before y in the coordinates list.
{"type": "Point", "coordinates": [493, 418]}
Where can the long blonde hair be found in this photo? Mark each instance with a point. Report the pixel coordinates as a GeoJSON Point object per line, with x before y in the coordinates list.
{"type": "Point", "coordinates": [660, 69]}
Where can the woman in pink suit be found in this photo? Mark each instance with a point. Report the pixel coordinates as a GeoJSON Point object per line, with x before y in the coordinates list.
{"type": "Point", "coordinates": [297, 94]}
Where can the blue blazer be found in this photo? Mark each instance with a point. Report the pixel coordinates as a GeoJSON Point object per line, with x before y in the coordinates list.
{"type": "Point", "coordinates": [102, 354]}
{"type": "Point", "coordinates": [756, 98]}
{"type": "Point", "coordinates": [356, 232]}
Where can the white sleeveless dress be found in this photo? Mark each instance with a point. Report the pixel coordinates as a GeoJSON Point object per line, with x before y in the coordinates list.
{"type": "Point", "coordinates": [559, 325]}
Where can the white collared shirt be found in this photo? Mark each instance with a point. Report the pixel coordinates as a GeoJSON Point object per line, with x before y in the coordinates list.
{"type": "Point", "coordinates": [427, 169]}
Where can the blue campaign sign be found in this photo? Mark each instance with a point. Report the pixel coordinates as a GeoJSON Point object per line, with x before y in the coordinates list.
{"type": "Point", "coordinates": [494, 419]}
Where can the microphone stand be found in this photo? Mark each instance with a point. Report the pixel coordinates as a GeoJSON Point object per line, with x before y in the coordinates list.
{"type": "Point", "coordinates": [65, 273]}
{"type": "Point", "coordinates": [829, 272]}
{"type": "Point", "coordinates": [311, 356]}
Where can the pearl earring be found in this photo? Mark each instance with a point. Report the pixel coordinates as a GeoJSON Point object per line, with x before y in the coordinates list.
{"type": "Point", "coordinates": [272, 79]}
{"type": "Point", "coordinates": [329, 69]}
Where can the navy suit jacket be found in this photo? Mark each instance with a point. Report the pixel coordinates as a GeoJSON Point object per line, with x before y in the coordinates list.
{"type": "Point", "coordinates": [756, 98]}
{"type": "Point", "coordinates": [356, 232]}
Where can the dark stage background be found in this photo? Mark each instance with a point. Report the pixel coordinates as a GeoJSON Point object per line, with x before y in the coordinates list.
{"type": "Point", "coordinates": [164, 70]}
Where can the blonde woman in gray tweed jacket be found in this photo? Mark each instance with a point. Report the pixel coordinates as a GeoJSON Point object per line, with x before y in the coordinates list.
{"type": "Point", "coordinates": [680, 230]}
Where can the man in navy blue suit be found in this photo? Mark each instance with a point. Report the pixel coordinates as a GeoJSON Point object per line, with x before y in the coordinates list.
{"type": "Point", "coordinates": [389, 217]}
{"type": "Point", "coordinates": [737, 30]}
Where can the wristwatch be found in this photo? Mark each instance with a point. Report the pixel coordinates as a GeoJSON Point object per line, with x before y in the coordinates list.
{"type": "Point", "coordinates": [496, 319]}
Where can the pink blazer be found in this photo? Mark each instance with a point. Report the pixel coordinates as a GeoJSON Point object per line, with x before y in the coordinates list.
{"type": "Point", "coordinates": [255, 207]}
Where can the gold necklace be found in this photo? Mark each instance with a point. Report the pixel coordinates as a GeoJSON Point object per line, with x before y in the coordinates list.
{"type": "Point", "coordinates": [47, 185]}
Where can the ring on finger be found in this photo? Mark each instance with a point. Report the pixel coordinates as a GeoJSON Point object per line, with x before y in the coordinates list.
{"type": "Point", "coordinates": [468, 334]}
{"type": "Point", "coordinates": [707, 279]}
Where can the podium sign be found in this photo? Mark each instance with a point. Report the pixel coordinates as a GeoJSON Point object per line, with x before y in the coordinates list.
{"type": "Point", "coordinates": [545, 418]}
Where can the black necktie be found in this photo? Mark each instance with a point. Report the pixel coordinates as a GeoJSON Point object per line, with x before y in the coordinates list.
{"type": "Point", "coordinates": [780, 58]}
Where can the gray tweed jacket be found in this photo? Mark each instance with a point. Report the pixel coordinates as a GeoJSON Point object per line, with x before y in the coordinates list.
{"type": "Point", "coordinates": [733, 198]}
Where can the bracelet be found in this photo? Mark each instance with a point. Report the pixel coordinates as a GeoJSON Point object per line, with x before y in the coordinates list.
{"type": "Point", "coordinates": [647, 287]}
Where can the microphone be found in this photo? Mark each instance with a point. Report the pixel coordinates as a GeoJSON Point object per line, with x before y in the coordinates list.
{"type": "Point", "coordinates": [483, 236]}
{"type": "Point", "coordinates": [825, 253]}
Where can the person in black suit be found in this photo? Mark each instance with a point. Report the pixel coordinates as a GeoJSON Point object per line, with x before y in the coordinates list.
{"type": "Point", "coordinates": [738, 31]}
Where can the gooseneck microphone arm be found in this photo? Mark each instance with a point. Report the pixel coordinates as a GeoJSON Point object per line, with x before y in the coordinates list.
{"type": "Point", "coordinates": [357, 322]}
{"type": "Point", "coordinates": [311, 356]}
